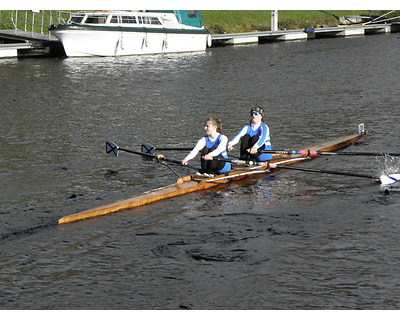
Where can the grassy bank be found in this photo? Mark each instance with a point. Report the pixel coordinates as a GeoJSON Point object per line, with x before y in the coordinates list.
{"type": "Point", "coordinates": [220, 21]}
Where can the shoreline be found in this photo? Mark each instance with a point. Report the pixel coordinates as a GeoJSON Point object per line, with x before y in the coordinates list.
{"type": "Point", "coordinates": [241, 21]}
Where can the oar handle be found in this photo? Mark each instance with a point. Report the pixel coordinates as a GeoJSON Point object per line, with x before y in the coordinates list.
{"type": "Point", "coordinates": [161, 158]}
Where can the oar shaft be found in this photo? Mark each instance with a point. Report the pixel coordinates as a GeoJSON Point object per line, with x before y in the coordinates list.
{"type": "Point", "coordinates": [157, 157]}
{"type": "Point", "coordinates": [174, 148]}
{"type": "Point", "coordinates": [352, 174]}
{"type": "Point", "coordinates": [348, 153]}
{"type": "Point", "coordinates": [338, 153]}
{"type": "Point", "coordinates": [281, 151]}
{"type": "Point", "coordinates": [241, 162]}
{"type": "Point", "coordinates": [138, 153]}
{"type": "Point", "coordinates": [151, 148]}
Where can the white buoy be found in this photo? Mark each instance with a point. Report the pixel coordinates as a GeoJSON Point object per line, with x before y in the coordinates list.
{"type": "Point", "coordinates": [390, 178]}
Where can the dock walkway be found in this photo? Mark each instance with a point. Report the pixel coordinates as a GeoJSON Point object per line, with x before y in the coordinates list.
{"type": "Point", "coordinates": [302, 34]}
{"type": "Point", "coordinates": [19, 41]}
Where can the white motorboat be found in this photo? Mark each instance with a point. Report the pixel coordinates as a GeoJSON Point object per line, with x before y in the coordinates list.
{"type": "Point", "coordinates": [122, 33]}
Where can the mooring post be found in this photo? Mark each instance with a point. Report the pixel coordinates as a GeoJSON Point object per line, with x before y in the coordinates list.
{"type": "Point", "coordinates": [274, 20]}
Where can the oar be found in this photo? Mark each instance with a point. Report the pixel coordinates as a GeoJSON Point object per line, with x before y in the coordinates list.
{"type": "Point", "coordinates": [384, 179]}
{"type": "Point", "coordinates": [238, 162]}
{"type": "Point", "coordinates": [307, 152]}
{"type": "Point", "coordinates": [149, 149]}
{"type": "Point", "coordinates": [113, 149]}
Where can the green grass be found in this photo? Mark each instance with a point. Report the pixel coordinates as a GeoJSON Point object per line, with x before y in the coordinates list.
{"type": "Point", "coordinates": [230, 21]}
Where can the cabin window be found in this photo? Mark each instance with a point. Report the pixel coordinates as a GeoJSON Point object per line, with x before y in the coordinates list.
{"type": "Point", "coordinates": [192, 13]}
{"type": "Point", "coordinates": [128, 19]}
{"type": "Point", "coordinates": [114, 19]}
{"type": "Point", "coordinates": [149, 20]}
{"type": "Point", "coordinates": [76, 19]}
{"type": "Point", "coordinates": [96, 19]}
{"type": "Point", "coordinates": [155, 20]}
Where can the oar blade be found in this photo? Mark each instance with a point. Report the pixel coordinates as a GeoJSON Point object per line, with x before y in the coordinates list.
{"type": "Point", "coordinates": [112, 149]}
{"type": "Point", "coordinates": [390, 179]}
{"type": "Point", "coordinates": [148, 148]}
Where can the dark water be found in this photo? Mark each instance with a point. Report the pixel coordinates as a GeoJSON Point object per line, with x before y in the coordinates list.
{"type": "Point", "coordinates": [289, 241]}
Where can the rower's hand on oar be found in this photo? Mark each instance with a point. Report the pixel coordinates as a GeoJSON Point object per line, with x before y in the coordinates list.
{"type": "Point", "coordinates": [252, 150]}
{"type": "Point", "coordinates": [184, 162]}
{"type": "Point", "coordinates": [207, 157]}
{"type": "Point", "coordinates": [229, 147]}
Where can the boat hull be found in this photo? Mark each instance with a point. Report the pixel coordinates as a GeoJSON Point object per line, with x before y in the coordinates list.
{"type": "Point", "coordinates": [87, 42]}
{"type": "Point", "coordinates": [188, 184]}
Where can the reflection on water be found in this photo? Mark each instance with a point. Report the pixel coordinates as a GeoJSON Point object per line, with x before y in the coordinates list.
{"type": "Point", "coordinates": [292, 240]}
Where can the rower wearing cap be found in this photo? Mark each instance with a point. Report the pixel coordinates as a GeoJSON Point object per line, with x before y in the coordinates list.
{"type": "Point", "coordinates": [254, 137]}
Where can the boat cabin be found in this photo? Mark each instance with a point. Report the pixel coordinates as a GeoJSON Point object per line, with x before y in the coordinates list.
{"type": "Point", "coordinates": [111, 18]}
{"type": "Point", "coordinates": [167, 18]}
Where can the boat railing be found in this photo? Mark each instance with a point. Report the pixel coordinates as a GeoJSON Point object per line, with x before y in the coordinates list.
{"type": "Point", "coordinates": [34, 21]}
{"type": "Point", "coordinates": [381, 20]}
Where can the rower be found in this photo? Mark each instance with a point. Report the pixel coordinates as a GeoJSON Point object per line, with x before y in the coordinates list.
{"type": "Point", "coordinates": [254, 137]}
{"type": "Point", "coordinates": [213, 144]}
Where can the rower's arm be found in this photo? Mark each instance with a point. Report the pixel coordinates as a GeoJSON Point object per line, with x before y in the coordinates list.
{"type": "Point", "coordinates": [200, 145]}
{"type": "Point", "coordinates": [221, 147]}
{"type": "Point", "coordinates": [237, 138]}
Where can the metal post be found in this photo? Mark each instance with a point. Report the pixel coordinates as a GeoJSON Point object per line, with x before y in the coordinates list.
{"type": "Point", "coordinates": [26, 20]}
{"type": "Point", "coordinates": [33, 23]}
{"type": "Point", "coordinates": [274, 20]}
{"type": "Point", "coordinates": [41, 27]}
{"type": "Point", "coordinates": [15, 22]}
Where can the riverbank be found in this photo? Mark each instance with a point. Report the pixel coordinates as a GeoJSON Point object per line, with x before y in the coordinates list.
{"type": "Point", "coordinates": [237, 21]}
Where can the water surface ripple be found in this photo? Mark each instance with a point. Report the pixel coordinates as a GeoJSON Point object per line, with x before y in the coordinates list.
{"type": "Point", "coordinates": [289, 241]}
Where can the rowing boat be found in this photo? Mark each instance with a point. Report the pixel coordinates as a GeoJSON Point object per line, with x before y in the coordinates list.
{"type": "Point", "coordinates": [191, 183]}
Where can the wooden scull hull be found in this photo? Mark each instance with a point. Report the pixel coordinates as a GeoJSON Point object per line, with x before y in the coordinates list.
{"type": "Point", "coordinates": [190, 184]}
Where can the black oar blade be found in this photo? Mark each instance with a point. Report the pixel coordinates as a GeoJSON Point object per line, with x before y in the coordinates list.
{"type": "Point", "coordinates": [112, 149]}
{"type": "Point", "coordinates": [148, 148]}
